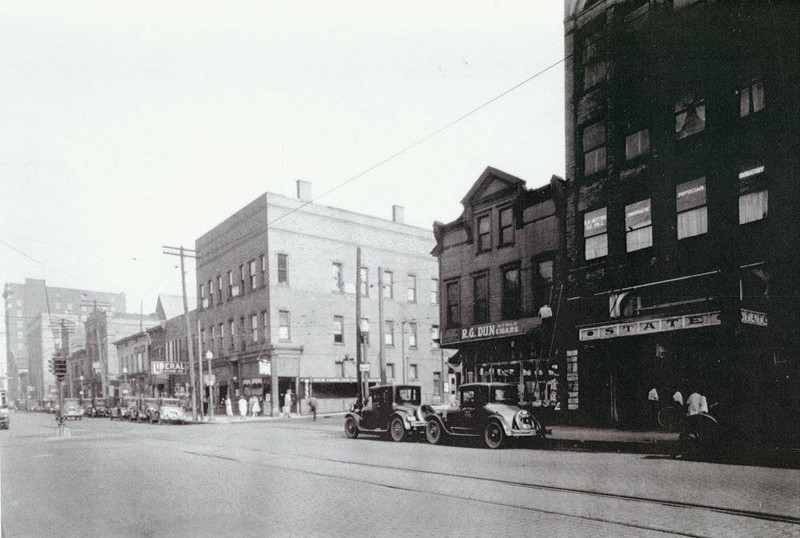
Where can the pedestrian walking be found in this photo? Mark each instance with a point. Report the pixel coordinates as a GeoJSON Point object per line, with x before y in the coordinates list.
{"type": "Point", "coordinates": [251, 405]}
{"type": "Point", "coordinates": [287, 403]}
{"type": "Point", "coordinates": [228, 408]}
{"type": "Point", "coordinates": [312, 407]}
{"type": "Point", "coordinates": [652, 401]}
{"type": "Point", "coordinates": [256, 407]}
{"type": "Point", "coordinates": [242, 407]}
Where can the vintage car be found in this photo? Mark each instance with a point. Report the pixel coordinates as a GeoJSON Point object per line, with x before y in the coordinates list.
{"type": "Point", "coordinates": [129, 408]}
{"type": "Point", "coordinates": [487, 410]}
{"type": "Point", "coordinates": [73, 409]}
{"type": "Point", "coordinates": [166, 410]}
{"type": "Point", "coordinates": [5, 417]}
{"type": "Point", "coordinates": [392, 409]}
{"type": "Point", "coordinates": [97, 407]}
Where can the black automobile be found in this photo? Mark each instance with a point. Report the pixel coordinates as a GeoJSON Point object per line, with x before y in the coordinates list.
{"type": "Point", "coordinates": [390, 409]}
{"type": "Point", "coordinates": [490, 411]}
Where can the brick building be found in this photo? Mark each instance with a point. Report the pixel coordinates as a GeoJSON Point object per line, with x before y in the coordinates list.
{"type": "Point", "coordinates": [500, 265]}
{"type": "Point", "coordinates": [682, 222]}
{"type": "Point", "coordinates": [276, 301]}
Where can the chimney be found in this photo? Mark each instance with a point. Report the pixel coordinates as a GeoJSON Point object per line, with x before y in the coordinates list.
{"type": "Point", "coordinates": [303, 190]}
{"type": "Point", "coordinates": [397, 213]}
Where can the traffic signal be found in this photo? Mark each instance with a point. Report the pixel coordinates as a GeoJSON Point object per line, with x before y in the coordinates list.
{"type": "Point", "coordinates": [60, 367]}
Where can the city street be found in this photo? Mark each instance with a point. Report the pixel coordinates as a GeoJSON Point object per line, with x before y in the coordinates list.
{"type": "Point", "coordinates": [301, 478]}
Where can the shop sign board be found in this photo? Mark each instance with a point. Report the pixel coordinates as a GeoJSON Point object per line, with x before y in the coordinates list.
{"type": "Point", "coordinates": [650, 326]}
{"type": "Point", "coordinates": [499, 329]}
{"type": "Point", "coordinates": [166, 367]}
{"type": "Point", "coordinates": [751, 317]}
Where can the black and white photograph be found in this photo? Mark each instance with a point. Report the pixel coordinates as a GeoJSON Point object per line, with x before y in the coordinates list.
{"type": "Point", "coordinates": [491, 268]}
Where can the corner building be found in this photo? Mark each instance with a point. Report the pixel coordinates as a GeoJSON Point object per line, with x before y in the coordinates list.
{"type": "Point", "coordinates": [276, 302]}
{"type": "Point", "coordinates": [499, 263]}
{"type": "Point", "coordinates": [682, 221]}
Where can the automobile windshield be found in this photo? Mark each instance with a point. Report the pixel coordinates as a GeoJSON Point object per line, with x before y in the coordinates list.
{"type": "Point", "coordinates": [174, 402]}
{"type": "Point", "coordinates": [505, 394]}
{"type": "Point", "coordinates": [407, 395]}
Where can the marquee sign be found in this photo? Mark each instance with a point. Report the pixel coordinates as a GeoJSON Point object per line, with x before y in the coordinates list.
{"type": "Point", "coordinates": [751, 317]}
{"type": "Point", "coordinates": [485, 331]}
{"type": "Point", "coordinates": [164, 367]}
{"type": "Point", "coordinates": [650, 326]}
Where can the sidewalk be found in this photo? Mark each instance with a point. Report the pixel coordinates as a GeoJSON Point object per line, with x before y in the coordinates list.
{"type": "Point", "coordinates": [611, 440]}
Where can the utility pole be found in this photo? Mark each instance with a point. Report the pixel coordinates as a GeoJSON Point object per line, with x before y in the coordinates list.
{"type": "Point", "coordinates": [200, 371]}
{"type": "Point", "coordinates": [189, 348]}
{"type": "Point", "coordinates": [359, 336]}
{"type": "Point", "coordinates": [103, 365]}
{"type": "Point", "coordinates": [381, 328]}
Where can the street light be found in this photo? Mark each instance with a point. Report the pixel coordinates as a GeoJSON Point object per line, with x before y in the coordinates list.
{"type": "Point", "coordinates": [210, 384]}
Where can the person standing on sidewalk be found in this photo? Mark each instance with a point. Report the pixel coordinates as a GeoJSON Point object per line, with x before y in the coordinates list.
{"type": "Point", "coordinates": [242, 407]}
{"type": "Point", "coordinates": [312, 407]}
{"type": "Point", "coordinates": [228, 408]}
{"type": "Point", "coordinates": [652, 400]}
{"type": "Point", "coordinates": [256, 408]}
{"type": "Point", "coordinates": [287, 403]}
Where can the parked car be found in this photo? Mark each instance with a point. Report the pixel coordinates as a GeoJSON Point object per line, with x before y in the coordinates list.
{"type": "Point", "coordinates": [129, 407]}
{"type": "Point", "coordinates": [392, 409]}
{"type": "Point", "coordinates": [490, 411]}
{"type": "Point", "coordinates": [5, 417]}
{"type": "Point", "coordinates": [73, 409]}
{"type": "Point", "coordinates": [117, 409]}
{"type": "Point", "coordinates": [97, 407]}
{"type": "Point", "coordinates": [167, 409]}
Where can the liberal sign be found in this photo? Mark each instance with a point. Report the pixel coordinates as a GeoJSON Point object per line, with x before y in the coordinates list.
{"type": "Point", "coordinates": [164, 367]}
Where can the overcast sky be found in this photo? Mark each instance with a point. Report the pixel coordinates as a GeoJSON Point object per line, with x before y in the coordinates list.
{"type": "Point", "coordinates": [127, 126]}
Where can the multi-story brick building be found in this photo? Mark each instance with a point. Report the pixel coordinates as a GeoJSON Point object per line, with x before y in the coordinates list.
{"type": "Point", "coordinates": [276, 301]}
{"type": "Point", "coordinates": [682, 222]}
{"type": "Point", "coordinates": [500, 264]}
{"type": "Point", "coordinates": [24, 303]}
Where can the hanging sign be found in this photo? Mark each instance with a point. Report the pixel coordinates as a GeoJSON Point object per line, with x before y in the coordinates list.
{"type": "Point", "coordinates": [649, 326]}
{"type": "Point", "coordinates": [751, 317]}
{"type": "Point", "coordinates": [500, 329]}
{"type": "Point", "coordinates": [164, 367]}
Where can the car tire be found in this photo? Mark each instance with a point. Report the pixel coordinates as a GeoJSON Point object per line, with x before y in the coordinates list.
{"type": "Point", "coordinates": [493, 435]}
{"type": "Point", "coordinates": [397, 430]}
{"type": "Point", "coordinates": [150, 416]}
{"type": "Point", "coordinates": [350, 427]}
{"type": "Point", "coordinates": [434, 432]}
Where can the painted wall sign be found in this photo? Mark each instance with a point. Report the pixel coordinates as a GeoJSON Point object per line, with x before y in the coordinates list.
{"type": "Point", "coordinates": [649, 326]}
{"type": "Point", "coordinates": [751, 317]}
{"type": "Point", "coordinates": [164, 367]}
{"type": "Point", "coordinates": [500, 329]}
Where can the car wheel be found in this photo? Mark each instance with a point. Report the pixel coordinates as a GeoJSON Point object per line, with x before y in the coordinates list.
{"type": "Point", "coordinates": [397, 430]}
{"type": "Point", "coordinates": [434, 433]}
{"type": "Point", "coordinates": [150, 416]}
{"type": "Point", "coordinates": [493, 435]}
{"type": "Point", "coordinates": [350, 427]}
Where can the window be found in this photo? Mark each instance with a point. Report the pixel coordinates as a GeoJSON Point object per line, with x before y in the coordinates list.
{"type": "Point", "coordinates": [338, 329]}
{"type": "Point", "coordinates": [453, 304]}
{"type": "Point", "coordinates": [480, 291]}
{"type": "Point", "coordinates": [264, 325]}
{"type": "Point", "coordinates": [594, 149]}
{"type": "Point", "coordinates": [365, 334]}
{"type": "Point", "coordinates": [232, 327]}
{"type": "Point", "coordinates": [544, 282]}
{"type": "Point", "coordinates": [263, 263]}
{"type": "Point", "coordinates": [388, 284]}
{"type": "Point", "coordinates": [213, 340]}
{"type": "Point", "coordinates": [338, 277]}
{"type": "Point", "coordinates": [637, 144]}
{"type": "Point", "coordinates": [434, 291]}
{"type": "Point", "coordinates": [221, 336]}
{"type": "Point", "coordinates": [203, 298]}
{"type": "Point", "coordinates": [241, 279]}
{"type": "Point", "coordinates": [507, 226]}
{"type": "Point", "coordinates": [254, 328]}
{"type": "Point", "coordinates": [435, 335]}
{"type": "Point", "coordinates": [253, 283]}
{"type": "Point", "coordinates": [389, 370]}
{"type": "Point", "coordinates": [751, 98]}
{"type": "Point", "coordinates": [364, 272]}
{"type": "Point", "coordinates": [595, 234]}
{"type": "Point", "coordinates": [388, 332]}
{"type": "Point", "coordinates": [211, 293]}
{"type": "Point", "coordinates": [284, 326]}
{"type": "Point", "coordinates": [690, 117]}
{"type": "Point", "coordinates": [412, 289]}
{"type": "Point", "coordinates": [484, 233]}
{"type": "Point", "coordinates": [690, 204]}
{"type": "Point", "coordinates": [283, 269]}
{"type": "Point", "coordinates": [437, 384]}
{"type": "Point", "coordinates": [231, 292]}
{"type": "Point", "coordinates": [412, 335]}
{"type": "Point", "coordinates": [638, 226]}
{"type": "Point", "coordinates": [752, 194]}
{"type": "Point", "coordinates": [219, 288]}
{"type": "Point", "coordinates": [203, 343]}
{"type": "Point", "coordinates": [413, 371]}
{"type": "Point", "coordinates": [511, 293]}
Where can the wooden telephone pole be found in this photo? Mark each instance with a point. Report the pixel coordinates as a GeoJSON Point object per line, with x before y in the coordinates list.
{"type": "Point", "coordinates": [187, 253]}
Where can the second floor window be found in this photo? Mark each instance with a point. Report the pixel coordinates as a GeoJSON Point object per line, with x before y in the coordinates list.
{"type": "Point", "coordinates": [412, 335]}
{"type": "Point", "coordinates": [507, 226]}
{"type": "Point", "coordinates": [751, 98]}
{"type": "Point", "coordinates": [388, 284]}
{"type": "Point", "coordinates": [254, 327]}
{"type": "Point", "coordinates": [434, 335]}
{"type": "Point", "coordinates": [413, 371]}
{"type": "Point", "coordinates": [595, 234]}
{"type": "Point", "coordinates": [480, 290]}
{"type": "Point", "coordinates": [338, 277]}
{"type": "Point", "coordinates": [364, 275]}
{"type": "Point", "coordinates": [284, 326]}
{"type": "Point", "coordinates": [338, 329]}
{"type": "Point", "coordinates": [388, 332]}
{"type": "Point", "coordinates": [690, 204]}
{"type": "Point", "coordinates": [453, 304]}
{"type": "Point", "coordinates": [253, 282]}
{"type": "Point", "coordinates": [512, 293]}
{"type": "Point", "coordinates": [412, 289]}
{"type": "Point", "coordinates": [638, 226]}
{"type": "Point", "coordinates": [484, 233]}
{"type": "Point", "coordinates": [283, 269]}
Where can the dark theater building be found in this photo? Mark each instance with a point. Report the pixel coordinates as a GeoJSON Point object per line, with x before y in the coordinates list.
{"type": "Point", "coordinates": [682, 213]}
{"type": "Point", "coordinates": [498, 267]}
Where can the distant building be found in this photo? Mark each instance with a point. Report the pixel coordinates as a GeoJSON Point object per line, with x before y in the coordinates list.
{"type": "Point", "coordinates": [682, 222]}
{"type": "Point", "coordinates": [276, 301]}
{"type": "Point", "coordinates": [24, 303]}
{"type": "Point", "coordinates": [500, 264]}
{"type": "Point", "coordinates": [44, 336]}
